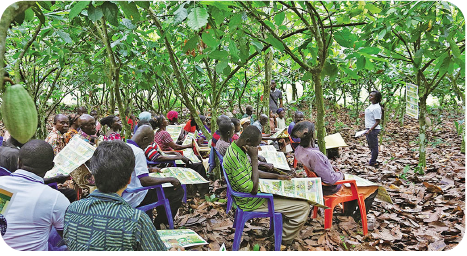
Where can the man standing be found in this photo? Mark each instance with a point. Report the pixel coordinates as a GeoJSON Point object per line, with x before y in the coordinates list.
{"type": "Point", "coordinates": [142, 138]}
{"type": "Point", "coordinates": [35, 208]}
{"type": "Point", "coordinates": [55, 137]}
{"type": "Point", "coordinates": [275, 98]}
{"type": "Point", "coordinates": [104, 221]}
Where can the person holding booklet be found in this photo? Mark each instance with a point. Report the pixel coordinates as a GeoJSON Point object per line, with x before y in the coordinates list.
{"type": "Point", "coordinates": [104, 221]}
{"type": "Point", "coordinates": [163, 138]}
{"type": "Point", "coordinates": [373, 115]}
{"type": "Point", "coordinates": [144, 137]}
{"type": "Point", "coordinates": [319, 164]}
{"type": "Point", "coordinates": [244, 177]}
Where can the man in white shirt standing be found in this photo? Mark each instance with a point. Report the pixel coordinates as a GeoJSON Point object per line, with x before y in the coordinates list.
{"type": "Point", "coordinates": [34, 207]}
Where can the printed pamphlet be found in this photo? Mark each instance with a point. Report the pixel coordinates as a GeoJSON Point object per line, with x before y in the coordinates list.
{"type": "Point", "coordinates": [174, 131]}
{"type": "Point", "coordinates": [180, 237]}
{"type": "Point", "coordinates": [188, 152]}
{"type": "Point", "coordinates": [359, 134]}
{"type": "Point", "coordinates": [281, 133]}
{"type": "Point", "coordinates": [309, 189]}
{"type": "Point", "coordinates": [184, 175]}
{"type": "Point", "coordinates": [5, 198]}
{"type": "Point", "coordinates": [361, 182]}
{"type": "Point", "coordinates": [276, 158]}
{"type": "Point", "coordinates": [72, 156]}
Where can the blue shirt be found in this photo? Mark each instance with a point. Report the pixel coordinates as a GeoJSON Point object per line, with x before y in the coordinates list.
{"type": "Point", "coordinates": [106, 222]}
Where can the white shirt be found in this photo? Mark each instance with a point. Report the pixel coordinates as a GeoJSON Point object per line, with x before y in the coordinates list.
{"type": "Point", "coordinates": [33, 210]}
{"type": "Point", "coordinates": [141, 170]}
{"type": "Point", "coordinates": [280, 123]}
{"type": "Point", "coordinates": [372, 113]}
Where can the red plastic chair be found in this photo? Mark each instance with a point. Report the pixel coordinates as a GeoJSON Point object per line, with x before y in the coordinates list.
{"type": "Point", "coordinates": [332, 200]}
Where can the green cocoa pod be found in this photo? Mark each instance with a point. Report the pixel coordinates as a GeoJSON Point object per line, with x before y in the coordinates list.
{"type": "Point", "coordinates": [19, 113]}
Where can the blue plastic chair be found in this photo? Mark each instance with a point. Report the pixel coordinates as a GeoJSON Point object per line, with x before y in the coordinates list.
{"type": "Point", "coordinates": [241, 217]}
{"type": "Point", "coordinates": [1, 140]}
{"type": "Point", "coordinates": [175, 165]}
{"type": "Point", "coordinates": [4, 171]}
{"type": "Point", "coordinates": [161, 200]}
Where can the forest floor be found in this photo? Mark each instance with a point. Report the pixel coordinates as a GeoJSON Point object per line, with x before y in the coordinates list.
{"type": "Point", "coordinates": [428, 213]}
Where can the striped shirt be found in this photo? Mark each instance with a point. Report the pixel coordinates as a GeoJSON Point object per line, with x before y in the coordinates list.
{"type": "Point", "coordinates": [162, 138]}
{"type": "Point", "coordinates": [239, 171]}
{"type": "Point", "coordinates": [105, 222]}
{"type": "Point", "coordinates": [152, 152]}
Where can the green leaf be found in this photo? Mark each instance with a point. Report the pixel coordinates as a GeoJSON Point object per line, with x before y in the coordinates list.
{"type": "Point", "coordinates": [454, 48]}
{"type": "Point", "coordinates": [45, 4]}
{"type": "Point", "coordinates": [130, 10]}
{"type": "Point", "coordinates": [191, 44]}
{"type": "Point", "coordinates": [94, 13]}
{"type": "Point", "coordinates": [370, 50]}
{"type": "Point", "coordinates": [259, 46]}
{"type": "Point", "coordinates": [361, 62]}
{"type": "Point", "coordinates": [234, 21]}
{"type": "Point", "coordinates": [218, 55]}
{"type": "Point", "coordinates": [180, 14]}
{"type": "Point", "coordinates": [233, 49]}
{"type": "Point", "coordinates": [381, 34]}
{"type": "Point", "coordinates": [279, 18]}
{"type": "Point", "coordinates": [65, 36]}
{"type": "Point", "coordinates": [307, 76]}
{"type": "Point", "coordinates": [210, 40]}
{"type": "Point", "coordinates": [28, 14]}
{"type": "Point", "coordinates": [37, 10]}
{"type": "Point", "coordinates": [350, 72]}
{"type": "Point", "coordinates": [110, 11]}
{"type": "Point", "coordinates": [221, 66]}
{"type": "Point", "coordinates": [372, 8]}
{"type": "Point", "coordinates": [369, 65]}
{"type": "Point", "coordinates": [270, 24]}
{"type": "Point", "coordinates": [197, 18]}
{"type": "Point", "coordinates": [344, 38]}
{"type": "Point", "coordinates": [275, 43]}
{"type": "Point", "coordinates": [77, 8]}
{"type": "Point", "coordinates": [221, 4]}
{"type": "Point", "coordinates": [143, 4]}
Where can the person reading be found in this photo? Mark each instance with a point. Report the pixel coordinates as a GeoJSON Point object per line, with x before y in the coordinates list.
{"type": "Point", "coordinates": [163, 138]}
{"type": "Point", "coordinates": [35, 208]}
{"type": "Point", "coordinates": [244, 175]}
{"type": "Point", "coordinates": [143, 137]}
{"type": "Point", "coordinates": [104, 221]}
{"type": "Point", "coordinates": [115, 126]}
{"type": "Point", "coordinates": [319, 164]}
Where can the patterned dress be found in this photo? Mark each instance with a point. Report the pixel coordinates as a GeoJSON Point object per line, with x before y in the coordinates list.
{"type": "Point", "coordinates": [56, 139]}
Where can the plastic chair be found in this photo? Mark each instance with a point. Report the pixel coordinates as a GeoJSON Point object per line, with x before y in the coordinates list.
{"type": "Point", "coordinates": [1, 140]}
{"type": "Point", "coordinates": [161, 200]}
{"type": "Point", "coordinates": [241, 217]}
{"type": "Point", "coordinates": [332, 200]}
{"type": "Point", "coordinates": [4, 171]}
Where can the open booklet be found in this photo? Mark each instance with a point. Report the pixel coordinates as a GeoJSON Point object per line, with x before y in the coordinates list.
{"type": "Point", "coordinates": [72, 156]}
{"type": "Point", "coordinates": [281, 133]}
{"type": "Point", "coordinates": [361, 182]}
{"type": "Point", "coordinates": [180, 237]}
{"type": "Point", "coordinates": [188, 152]}
{"type": "Point", "coordinates": [274, 157]}
{"type": "Point", "coordinates": [309, 189]}
{"type": "Point", "coordinates": [174, 131]}
{"type": "Point", "coordinates": [184, 175]}
{"type": "Point", "coordinates": [5, 198]}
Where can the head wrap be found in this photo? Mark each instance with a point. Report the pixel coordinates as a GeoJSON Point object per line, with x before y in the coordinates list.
{"type": "Point", "coordinates": [172, 114]}
{"type": "Point", "coordinates": [144, 116]}
{"type": "Point", "coordinates": [279, 110]}
{"type": "Point", "coordinates": [244, 120]}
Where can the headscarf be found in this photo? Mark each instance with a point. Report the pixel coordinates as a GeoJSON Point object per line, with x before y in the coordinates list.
{"type": "Point", "coordinates": [279, 110]}
{"type": "Point", "coordinates": [172, 114]}
{"type": "Point", "coordinates": [144, 116]}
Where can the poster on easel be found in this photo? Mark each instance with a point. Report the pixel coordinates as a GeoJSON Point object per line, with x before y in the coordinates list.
{"type": "Point", "coordinates": [412, 100]}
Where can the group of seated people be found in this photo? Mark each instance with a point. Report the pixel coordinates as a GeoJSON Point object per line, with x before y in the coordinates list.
{"type": "Point", "coordinates": [106, 218]}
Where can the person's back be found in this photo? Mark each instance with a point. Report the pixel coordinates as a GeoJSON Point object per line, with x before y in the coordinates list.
{"type": "Point", "coordinates": [34, 207]}
{"type": "Point", "coordinates": [105, 221]}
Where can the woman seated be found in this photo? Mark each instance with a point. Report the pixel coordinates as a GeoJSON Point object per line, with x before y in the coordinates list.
{"type": "Point", "coordinates": [162, 137]}
{"type": "Point", "coordinates": [172, 116]}
{"type": "Point", "coordinates": [318, 163]}
{"type": "Point", "coordinates": [115, 125]}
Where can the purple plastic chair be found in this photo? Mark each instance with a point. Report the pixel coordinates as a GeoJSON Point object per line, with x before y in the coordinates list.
{"type": "Point", "coordinates": [241, 217]}
{"type": "Point", "coordinates": [161, 200]}
{"type": "Point", "coordinates": [175, 165]}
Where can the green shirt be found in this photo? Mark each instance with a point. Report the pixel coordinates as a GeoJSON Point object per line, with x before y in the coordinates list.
{"type": "Point", "coordinates": [105, 222]}
{"type": "Point", "coordinates": [239, 171]}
